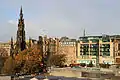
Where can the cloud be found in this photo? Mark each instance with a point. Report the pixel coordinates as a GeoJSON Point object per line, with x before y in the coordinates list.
{"type": "Point", "coordinates": [13, 22]}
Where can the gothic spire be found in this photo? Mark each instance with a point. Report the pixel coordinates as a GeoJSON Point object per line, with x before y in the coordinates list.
{"type": "Point", "coordinates": [21, 13]}
{"type": "Point", "coordinates": [12, 48]}
{"type": "Point", "coordinates": [29, 41]}
{"type": "Point", "coordinates": [11, 42]}
{"type": "Point", "coordinates": [20, 42]}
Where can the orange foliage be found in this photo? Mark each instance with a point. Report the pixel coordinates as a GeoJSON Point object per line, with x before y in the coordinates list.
{"type": "Point", "coordinates": [31, 54]}
{"type": "Point", "coordinates": [3, 52]}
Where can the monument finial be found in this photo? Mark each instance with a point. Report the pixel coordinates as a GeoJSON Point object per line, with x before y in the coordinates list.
{"type": "Point", "coordinates": [21, 13]}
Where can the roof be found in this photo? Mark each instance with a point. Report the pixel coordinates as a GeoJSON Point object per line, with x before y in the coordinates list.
{"type": "Point", "coordinates": [110, 36]}
{"type": "Point", "coordinates": [67, 39]}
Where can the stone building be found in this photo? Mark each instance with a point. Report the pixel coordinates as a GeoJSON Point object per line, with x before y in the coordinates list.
{"type": "Point", "coordinates": [117, 50]}
{"type": "Point", "coordinates": [5, 49]}
{"type": "Point", "coordinates": [50, 44]}
{"type": "Point", "coordinates": [68, 46]}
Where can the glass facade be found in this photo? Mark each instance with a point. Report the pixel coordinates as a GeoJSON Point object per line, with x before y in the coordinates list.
{"type": "Point", "coordinates": [91, 46]}
{"type": "Point", "coordinates": [100, 48]}
{"type": "Point", "coordinates": [94, 49]}
{"type": "Point", "coordinates": [84, 49]}
{"type": "Point", "coordinates": [94, 40]}
{"type": "Point", "coordinates": [105, 50]}
{"type": "Point", "coordinates": [105, 40]}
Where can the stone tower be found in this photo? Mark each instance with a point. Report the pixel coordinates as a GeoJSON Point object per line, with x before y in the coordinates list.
{"type": "Point", "coordinates": [40, 44]}
{"type": "Point", "coordinates": [20, 42]}
{"type": "Point", "coordinates": [12, 48]}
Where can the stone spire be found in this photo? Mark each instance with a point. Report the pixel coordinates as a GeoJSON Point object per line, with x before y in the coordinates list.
{"type": "Point", "coordinates": [20, 43]}
{"type": "Point", "coordinates": [30, 42]}
{"type": "Point", "coordinates": [12, 47]}
{"type": "Point", "coordinates": [21, 13]}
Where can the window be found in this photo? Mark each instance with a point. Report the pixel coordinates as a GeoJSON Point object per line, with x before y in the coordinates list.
{"type": "Point", "coordinates": [94, 53]}
{"type": "Point", "coordinates": [85, 41]}
{"type": "Point", "coordinates": [94, 40]}
{"type": "Point", "coordinates": [118, 46]}
{"type": "Point", "coordinates": [80, 53]}
{"type": "Point", "coordinates": [106, 54]}
{"type": "Point", "coordinates": [105, 40]}
{"type": "Point", "coordinates": [118, 54]}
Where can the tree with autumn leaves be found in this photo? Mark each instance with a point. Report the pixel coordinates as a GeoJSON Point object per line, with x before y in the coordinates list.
{"type": "Point", "coordinates": [27, 61]}
{"type": "Point", "coordinates": [8, 67]}
{"type": "Point", "coordinates": [3, 57]}
{"type": "Point", "coordinates": [58, 60]}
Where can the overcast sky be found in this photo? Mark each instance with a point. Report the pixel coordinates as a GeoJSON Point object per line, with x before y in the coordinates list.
{"type": "Point", "coordinates": [57, 18]}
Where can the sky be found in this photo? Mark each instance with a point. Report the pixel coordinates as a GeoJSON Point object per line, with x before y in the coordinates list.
{"type": "Point", "coordinates": [57, 18]}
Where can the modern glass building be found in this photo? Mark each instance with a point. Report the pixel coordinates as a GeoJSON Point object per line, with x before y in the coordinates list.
{"type": "Point", "coordinates": [98, 49]}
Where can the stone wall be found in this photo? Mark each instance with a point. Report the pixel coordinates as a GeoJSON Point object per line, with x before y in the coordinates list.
{"type": "Point", "coordinates": [5, 77]}
{"type": "Point", "coordinates": [67, 72]}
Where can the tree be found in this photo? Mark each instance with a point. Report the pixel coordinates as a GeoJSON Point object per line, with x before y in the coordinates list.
{"type": "Point", "coordinates": [3, 57]}
{"type": "Point", "coordinates": [32, 62]}
{"type": "Point", "coordinates": [28, 61]}
{"type": "Point", "coordinates": [9, 65]}
{"type": "Point", "coordinates": [2, 60]}
{"type": "Point", "coordinates": [58, 60]}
